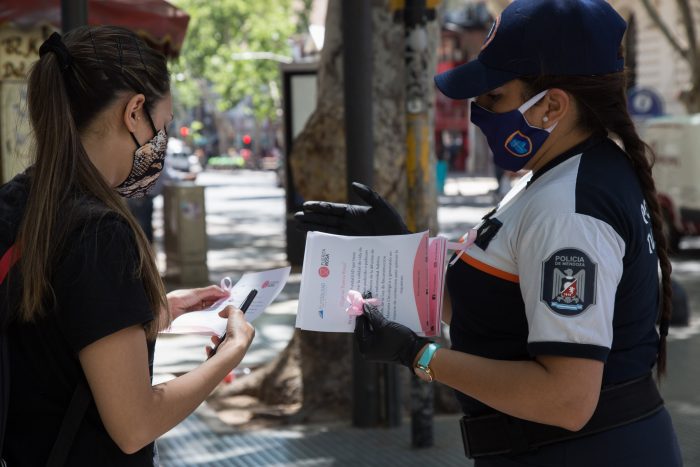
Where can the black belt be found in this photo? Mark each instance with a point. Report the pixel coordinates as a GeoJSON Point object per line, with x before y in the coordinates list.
{"type": "Point", "coordinates": [498, 433]}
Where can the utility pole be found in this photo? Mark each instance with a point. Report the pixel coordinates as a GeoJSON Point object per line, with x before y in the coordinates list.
{"type": "Point", "coordinates": [74, 13]}
{"type": "Point", "coordinates": [357, 77]}
{"type": "Point", "coordinates": [420, 170]}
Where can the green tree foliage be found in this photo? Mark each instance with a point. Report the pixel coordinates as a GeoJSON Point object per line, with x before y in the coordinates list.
{"type": "Point", "coordinates": [235, 46]}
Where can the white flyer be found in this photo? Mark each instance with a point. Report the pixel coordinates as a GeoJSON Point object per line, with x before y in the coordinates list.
{"type": "Point", "coordinates": [208, 322]}
{"type": "Point", "coordinates": [395, 269]}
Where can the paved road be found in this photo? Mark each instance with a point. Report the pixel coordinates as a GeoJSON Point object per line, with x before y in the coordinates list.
{"type": "Point", "coordinates": [245, 227]}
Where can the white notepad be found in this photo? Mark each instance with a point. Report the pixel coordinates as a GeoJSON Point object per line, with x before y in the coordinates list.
{"type": "Point", "coordinates": [208, 322]}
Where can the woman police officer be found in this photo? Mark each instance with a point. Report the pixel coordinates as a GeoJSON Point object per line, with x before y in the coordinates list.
{"type": "Point", "coordinates": [85, 301]}
{"type": "Point", "coordinates": [558, 295]}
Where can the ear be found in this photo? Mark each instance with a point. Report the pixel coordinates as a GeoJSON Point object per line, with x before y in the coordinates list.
{"type": "Point", "coordinates": [557, 103]}
{"type": "Point", "coordinates": [133, 111]}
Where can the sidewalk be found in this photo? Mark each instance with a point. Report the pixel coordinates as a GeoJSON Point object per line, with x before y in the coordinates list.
{"type": "Point", "coordinates": [193, 444]}
{"type": "Point", "coordinates": [245, 225]}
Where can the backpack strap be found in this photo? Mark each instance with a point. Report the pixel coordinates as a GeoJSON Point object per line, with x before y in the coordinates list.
{"type": "Point", "coordinates": [4, 393]}
{"type": "Point", "coordinates": [71, 423]}
{"type": "Point", "coordinates": [7, 261]}
{"type": "Point", "coordinates": [9, 258]}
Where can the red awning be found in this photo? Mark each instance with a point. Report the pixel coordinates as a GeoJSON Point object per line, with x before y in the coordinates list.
{"type": "Point", "coordinates": [158, 22]}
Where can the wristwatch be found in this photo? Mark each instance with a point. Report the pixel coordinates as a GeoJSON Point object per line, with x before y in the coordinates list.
{"type": "Point", "coordinates": [424, 371]}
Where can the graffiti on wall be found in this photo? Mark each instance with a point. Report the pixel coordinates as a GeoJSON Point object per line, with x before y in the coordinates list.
{"type": "Point", "coordinates": [19, 49]}
{"type": "Point", "coordinates": [15, 130]}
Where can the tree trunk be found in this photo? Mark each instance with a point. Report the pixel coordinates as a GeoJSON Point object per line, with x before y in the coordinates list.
{"type": "Point", "coordinates": [318, 165]}
{"type": "Point", "coordinates": [322, 362]}
{"type": "Point", "coordinates": [318, 157]}
{"type": "Point", "coordinates": [691, 97]}
{"type": "Point", "coordinates": [688, 52]}
{"type": "Point", "coordinates": [322, 380]}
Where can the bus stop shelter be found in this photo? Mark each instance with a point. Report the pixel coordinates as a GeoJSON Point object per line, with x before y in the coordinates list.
{"type": "Point", "coordinates": [158, 22]}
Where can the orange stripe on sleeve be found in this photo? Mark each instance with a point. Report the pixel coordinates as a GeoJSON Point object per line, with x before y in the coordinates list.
{"type": "Point", "coordinates": [483, 267]}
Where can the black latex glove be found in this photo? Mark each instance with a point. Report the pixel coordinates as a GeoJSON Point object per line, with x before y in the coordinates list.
{"type": "Point", "coordinates": [379, 218]}
{"type": "Point", "coordinates": [386, 341]}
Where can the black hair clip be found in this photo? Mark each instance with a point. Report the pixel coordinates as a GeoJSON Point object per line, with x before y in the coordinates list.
{"type": "Point", "coordinates": [103, 72]}
{"type": "Point", "coordinates": [55, 44]}
{"type": "Point", "coordinates": [138, 48]}
{"type": "Point", "coordinates": [94, 47]}
{"type": "Point", "coordinates": [121, 60]}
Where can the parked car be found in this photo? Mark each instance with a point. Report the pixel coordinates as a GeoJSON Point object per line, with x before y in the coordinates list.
{"type": "Point", "coordinates": [676, 143]}
{"type": "Point", "coordinates": [181, 157]}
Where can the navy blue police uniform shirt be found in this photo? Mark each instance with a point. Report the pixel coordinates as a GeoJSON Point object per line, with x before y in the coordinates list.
{"type": "Point", "coordinates": [566, 265]}
{"type": "Point", "coordinates": [97, 294]}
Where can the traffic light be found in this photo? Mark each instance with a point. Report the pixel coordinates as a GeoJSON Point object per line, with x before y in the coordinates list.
{"type": "Point", "coordinates": [184, 131]}
{"type": "Point", "coordinates": [247, 141]}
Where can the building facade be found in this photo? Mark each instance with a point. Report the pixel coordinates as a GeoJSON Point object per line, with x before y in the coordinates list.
{"type": "Point", "coordinates": [655, 63]}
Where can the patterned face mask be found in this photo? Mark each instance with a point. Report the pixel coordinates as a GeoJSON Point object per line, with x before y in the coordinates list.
{"type": "Point", "coordinates": [147, 166]}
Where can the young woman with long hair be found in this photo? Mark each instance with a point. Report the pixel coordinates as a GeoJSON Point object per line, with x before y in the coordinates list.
{"type": "Point", "coordinates": [84, 302]}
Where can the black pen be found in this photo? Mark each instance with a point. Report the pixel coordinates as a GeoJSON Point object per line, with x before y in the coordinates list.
{"type": "Point", "coordinates": [244, 307]}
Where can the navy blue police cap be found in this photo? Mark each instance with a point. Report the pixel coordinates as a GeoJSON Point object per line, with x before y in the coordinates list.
{"type": "Point", "coordinates": [541, 37]}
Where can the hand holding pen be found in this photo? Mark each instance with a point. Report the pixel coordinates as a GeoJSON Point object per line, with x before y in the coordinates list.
{"type": "Point", "coordinates": [237, 328]}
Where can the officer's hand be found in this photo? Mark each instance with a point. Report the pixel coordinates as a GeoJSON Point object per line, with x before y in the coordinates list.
{"type": "Point", "coordinates": [382, 340]}
{"type": "Point", "coordinates": [379, 218]}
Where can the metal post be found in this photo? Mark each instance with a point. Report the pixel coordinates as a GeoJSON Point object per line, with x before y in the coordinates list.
{"type": "Point", "coordinates": [392, 395]}
{"type": "Point", "coordinates": [74, 13]}
{"type": "Point", "coordinates": [421, 183]}
{"type": "Point", "coordinates": [357, 74]}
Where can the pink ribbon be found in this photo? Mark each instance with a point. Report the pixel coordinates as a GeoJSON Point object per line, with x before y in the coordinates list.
{"type": "Point", "coordinates": [467, 240]}
{"type": "Point", "coordinates": [356, 302]}
{"type": "Point", "coordinates": [460, 247]}
{"type": "Point", "coordinates": [227, 284]}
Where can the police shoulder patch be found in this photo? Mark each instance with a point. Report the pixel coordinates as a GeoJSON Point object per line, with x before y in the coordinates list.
{"type": "Point", "coordinates": [568, 282]}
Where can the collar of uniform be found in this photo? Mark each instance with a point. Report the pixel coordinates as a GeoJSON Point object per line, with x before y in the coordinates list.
{"type": "Point", "coordinates": [580, 148]}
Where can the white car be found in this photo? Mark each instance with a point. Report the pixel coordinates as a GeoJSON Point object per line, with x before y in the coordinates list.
{"type": "Point", "coordinates": [180, 157]}
{"type": "Point", "coordinates": [676, 143]}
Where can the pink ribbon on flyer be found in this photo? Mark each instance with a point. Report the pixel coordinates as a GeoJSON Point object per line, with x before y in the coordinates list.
{"type": "Point", "coordinates": [227, 284]}
{"type": "Point", "coordinates": [356, 302]}
{"type": "Point", "coordinates": [460, 247]}
{"type": "Point", "coordinates": [467, 240]}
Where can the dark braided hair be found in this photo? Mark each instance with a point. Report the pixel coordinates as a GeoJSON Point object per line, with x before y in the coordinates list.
{"type": "Point", "coordinates": [602, 105]}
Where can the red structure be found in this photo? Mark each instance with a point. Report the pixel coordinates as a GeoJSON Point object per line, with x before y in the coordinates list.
{"type": "Point", "coordinates": [159, 23]}
{"type": "Point", "coordinates": [451, 117]}
{"type": "Point", "coordinates": [461, 37]}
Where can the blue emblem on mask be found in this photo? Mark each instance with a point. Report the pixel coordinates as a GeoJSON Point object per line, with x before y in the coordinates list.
{"type": "Point", "coordinates": [519, 145]}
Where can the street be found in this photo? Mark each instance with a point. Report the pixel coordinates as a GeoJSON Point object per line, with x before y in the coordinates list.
{"type": "Point", "coordinates": [245, 228]}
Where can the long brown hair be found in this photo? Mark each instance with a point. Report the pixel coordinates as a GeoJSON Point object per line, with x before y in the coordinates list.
{"type": "Point", "coordinates": [63, 100]}
{"type": "Point", "coordinates": [602, 106]}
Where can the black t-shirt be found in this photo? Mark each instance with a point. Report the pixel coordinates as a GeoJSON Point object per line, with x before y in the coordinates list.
{"type": "Point", "coordinates": [569, 269]}
{"type": "Point", "coordinates": [97, 294]}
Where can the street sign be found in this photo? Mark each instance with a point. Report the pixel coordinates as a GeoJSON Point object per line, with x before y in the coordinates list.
{"type": "Point", "coordinates": [644, 103]}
